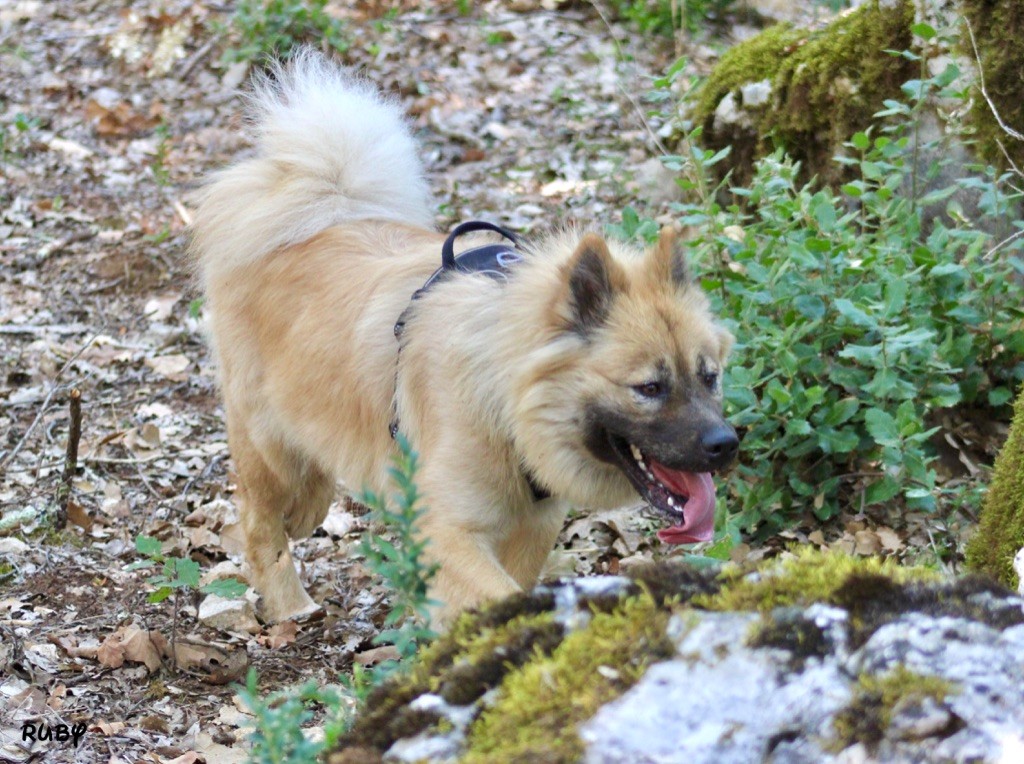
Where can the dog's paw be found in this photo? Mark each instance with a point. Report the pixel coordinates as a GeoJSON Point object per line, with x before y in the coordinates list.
{"type": "Point", "coordinates": [303, 611]}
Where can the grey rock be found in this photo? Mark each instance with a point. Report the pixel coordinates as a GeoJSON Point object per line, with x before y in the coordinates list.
{"type": "Point", "coordinates": [718, 702]}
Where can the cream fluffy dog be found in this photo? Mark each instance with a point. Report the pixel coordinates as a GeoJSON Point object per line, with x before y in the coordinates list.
{"type": "Point", "coordinates": [591, 373]}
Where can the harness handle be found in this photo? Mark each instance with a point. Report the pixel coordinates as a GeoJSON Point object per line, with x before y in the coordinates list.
{"type": "Point", "coordinates": [448, 248]}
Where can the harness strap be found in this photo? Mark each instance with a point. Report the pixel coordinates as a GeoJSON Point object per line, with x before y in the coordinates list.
{"type": "Point", "coordinates": [493, 260]}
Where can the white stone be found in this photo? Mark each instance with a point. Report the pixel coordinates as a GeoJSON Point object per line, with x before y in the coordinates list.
{"type": "Point", "coordinates": [222, 570]}
{"type": "Point", "coordinates": [235, 615]}
{"type": "Point", "coordinates": [1018, 565]}
{"type": "Point", "coordinates": [11, 545]}
{"type": "Point", "coordinates": [756, 93]}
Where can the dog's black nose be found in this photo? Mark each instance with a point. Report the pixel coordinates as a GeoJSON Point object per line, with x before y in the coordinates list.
{"type": "Point", "coordinates": [720, 445]}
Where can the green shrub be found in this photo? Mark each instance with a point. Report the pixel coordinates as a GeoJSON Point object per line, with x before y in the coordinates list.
{"type": "Point", "coordinates": [401, 564]}
{"type": "Point", "coordinates": [280, 716]}
{"type": "Point", "coordinates": [860, 315]}
{"type": "Point", "coordinates": [666, 16]}
{"type": "Point", "coordinates": [276, 27]}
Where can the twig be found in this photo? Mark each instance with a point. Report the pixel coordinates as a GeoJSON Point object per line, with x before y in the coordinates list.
{"type": "Point", "coordinates": [629, 96]}
{"type": "Point", "coordinates": [198, 56]}
{"type": "Point", "coordinates": [981, 82]}
{"type": "Point", "coordinates": [70, 459]}
{"type": "Point", "coordinates": [1008, 240]}
{"type": "Point", "coordinates": [52, 329]}
{"type": "Point", "coordinates": [46, 402]}
{"type": "Point", "coordinates": [174, 634]}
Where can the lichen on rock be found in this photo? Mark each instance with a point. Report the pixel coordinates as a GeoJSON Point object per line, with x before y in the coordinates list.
{"type": "Point", "coordinates": [802, 658]}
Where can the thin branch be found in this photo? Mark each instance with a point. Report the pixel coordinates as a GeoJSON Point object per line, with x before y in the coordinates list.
{"type": "Point", "coordinates": [1008, 240]}
{"type": "Point", "coordinates": [46, 402]}
{"type": "Point", "coordinates": [70, 459]}
{"type": "Point", "coordinates": [629, 96]}
{"type": "Point", "coordinates": [981, 82]}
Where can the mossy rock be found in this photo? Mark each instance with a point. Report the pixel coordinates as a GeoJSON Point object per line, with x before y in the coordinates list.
{"type": "Point", "coordinates": [809, 91]}
{"type": "Point", "coordinates": [806, 90]}
{"type": "Point", "coordinates": [1000, 533]}
{"type": "Point", "coordinates": [521, 681]}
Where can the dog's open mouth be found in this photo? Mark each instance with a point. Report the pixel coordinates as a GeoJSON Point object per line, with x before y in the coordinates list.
{"type": "Point", "coordinates": [686, 495]}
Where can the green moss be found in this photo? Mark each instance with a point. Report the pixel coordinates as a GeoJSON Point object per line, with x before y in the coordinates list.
{"type": "Point", "coordinates": [1001, 531]}
{"type": "Point", "coordinates": [670, 583]}
{"type": "Point", "coordinates": [870, 712]}
{"type": "Point", "coordinates": [535, 716]}
{"type": "Point", "coordinates": [998, 27]}
{"type": "Point", "coordinates": [826, 85]}
{"type": "Point", "coordinates": [461, 666]}
{"type": "Point", "coordinates": [754, 60]}
{"type": "Point", "coordinates": [808, 576]}
{"type": "Point", "coordinates": [874, 600]}
{"type": "Point", "coordinates": [793, 632]}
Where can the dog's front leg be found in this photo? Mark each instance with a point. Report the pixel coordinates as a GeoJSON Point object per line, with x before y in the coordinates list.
{"type": "Point", "coordinates": [469, 573]}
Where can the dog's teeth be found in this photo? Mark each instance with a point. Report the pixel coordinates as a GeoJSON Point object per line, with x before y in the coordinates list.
{"type": "Point", "coordinates": [650, 475]}
{"type": "Point", "coordinates": [672, 503]}
{"type": "Point", "coordinates": [636, 453]}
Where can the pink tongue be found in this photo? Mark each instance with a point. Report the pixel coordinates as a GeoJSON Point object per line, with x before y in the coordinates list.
{"type": "Point", "coordinates": [699, 511]}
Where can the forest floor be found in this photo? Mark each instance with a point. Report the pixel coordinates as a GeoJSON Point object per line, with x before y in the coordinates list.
{"type": "Point", "coordinates": [110, 120]}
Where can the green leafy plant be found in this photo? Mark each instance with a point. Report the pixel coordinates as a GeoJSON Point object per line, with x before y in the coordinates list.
{"type": "Point", "coordinates": [176, 574]}
{"type": "Point", "coordinates": [402, 563]}
{"type": "Point", "coordinates": [634, 227]}
{"type": "Point", "coordinates": [12, 140]}
{"type": "Point", "coordinates": [276, 27]}
{"type": "Point", "coordinates": [861, 315]}
{"type": "Point", "coordinates": [161, 173]}
{"type": "Point", "coordinates": [667, 16]}
{"type": "Point", "coordinates": [280, 716]}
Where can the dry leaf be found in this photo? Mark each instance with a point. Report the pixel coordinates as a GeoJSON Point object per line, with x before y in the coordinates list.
{"type": "Point", "coordinates": [891, 541]}
{"type": "Point", "coordinates": [279, 635]}
{"type": "Point", "coordinates": [214, 665]}
{"type": "Point", "coordinates": [190, 757]}
{"type": "Point", "coordinates": [739, 553]}
{"type": "Point", "coordinates": [130, 643]}
{"type": "Point", "coordinates": [867, 543]}
{"type": "Point", "coordinates": [106, 728]}
{"type": "Point", "coordinates": [170, 366]}
{"type": "Point", "coordinates": [78, 516]}
{"type": "Point", "coordinates": [160, 308]}
{"type": "Point", "coordinates": [139, 648]}
{"type": "Point", "coordinates": [111, 652]}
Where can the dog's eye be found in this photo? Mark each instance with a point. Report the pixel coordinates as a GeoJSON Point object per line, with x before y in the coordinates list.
{"type": "Point", "coordinates": [710, 379]}
{"type": "Point", "coordinates": [651, 389]}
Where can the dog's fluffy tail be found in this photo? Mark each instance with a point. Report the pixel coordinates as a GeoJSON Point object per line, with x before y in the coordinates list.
{"type": "Point", "coordinates": [329, 149]}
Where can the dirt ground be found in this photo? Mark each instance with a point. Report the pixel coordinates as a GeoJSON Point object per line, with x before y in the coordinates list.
{"type": "Point", "coordinates": [112, 113]}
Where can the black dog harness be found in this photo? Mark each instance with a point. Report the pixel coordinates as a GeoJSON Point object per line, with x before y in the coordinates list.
{"type": "Point", "coordinates": [493, 260]}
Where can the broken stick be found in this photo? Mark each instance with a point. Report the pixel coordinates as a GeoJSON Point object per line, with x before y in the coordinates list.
{"type": "Point", "coordinates": [70, 459]}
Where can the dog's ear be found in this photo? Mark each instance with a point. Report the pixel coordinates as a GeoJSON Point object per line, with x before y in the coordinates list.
{"type": "Point", "coordinates": [725, 343]}
{"type": "Point", "coordinates": [593, 279]}
{"type": "Point", "coordinates": [670, 259]}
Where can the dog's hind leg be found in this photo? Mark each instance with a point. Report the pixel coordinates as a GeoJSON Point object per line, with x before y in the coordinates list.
{"type": "Point", "coordinates": [280, 494]}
